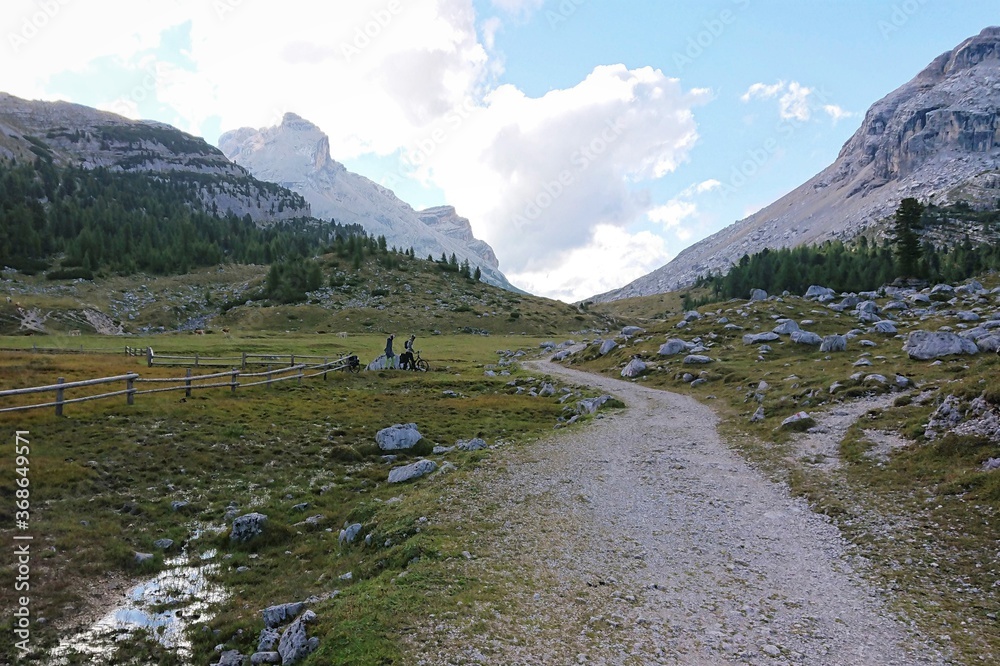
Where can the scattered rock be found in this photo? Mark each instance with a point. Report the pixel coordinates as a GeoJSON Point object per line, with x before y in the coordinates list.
{"type": "Point", "coordinates": [294, 644]}
{"type": "Point", "coordinates": [634, 368]}
{"type": "Point", "coordinates": [275, 616]}
{"type": "Point", "coordinates": [413, 471]}
{"type": "Point", "coordinates": [834, 343]}
{"type": "Point", "coordinates": [398, 437]}
{"type": "Point", "coordinates": [349, 533]}
{"type": "Point", "coordinates": [927, 345]}
{"type": "Point", "coordinates": [248, 526]}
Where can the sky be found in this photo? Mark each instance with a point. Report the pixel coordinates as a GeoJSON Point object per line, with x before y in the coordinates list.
{"type": "Point", "coordinates": [588, 141]}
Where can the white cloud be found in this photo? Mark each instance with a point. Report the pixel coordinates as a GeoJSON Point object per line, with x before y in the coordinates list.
{"type": "Point", "coordinates": [545, 180]}
{"type": "Point", "coordinates": [763, 91]}
{"type": "Point", "coordinates": [793, 103]}
{"type": "Point", "coordinates": [611, 258]}
{"type": "Point", "coordinates": [836, 113]}
{"type": "Point", "coordinates": [539, 174]}
{"type": "Point", "coordinates": [518, 7]}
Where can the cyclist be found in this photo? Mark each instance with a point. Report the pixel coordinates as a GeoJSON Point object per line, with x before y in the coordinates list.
{"type": "Point", "coordinates": [406, 358]}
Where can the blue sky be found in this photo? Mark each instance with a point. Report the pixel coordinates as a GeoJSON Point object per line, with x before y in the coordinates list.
{"type": "Point", "coordinates": [588, 141]}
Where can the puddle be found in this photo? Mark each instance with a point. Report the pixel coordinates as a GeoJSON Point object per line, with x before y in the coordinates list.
{"type": "Point", "coordinates": [163, 608]}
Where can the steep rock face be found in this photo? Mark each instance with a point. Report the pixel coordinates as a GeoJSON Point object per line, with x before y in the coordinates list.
{"type": "Point", "coordinates": [89, 138]}
{"type": "Point", "coordinates": [937, 136]}
{"type": "Point", "coordinates": [296, 154]}
{"type": "Point", "coordinates": [446, 221]}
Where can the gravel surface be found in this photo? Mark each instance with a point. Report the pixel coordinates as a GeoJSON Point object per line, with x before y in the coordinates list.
{"type": "Point", "coordinates": [643, 539]}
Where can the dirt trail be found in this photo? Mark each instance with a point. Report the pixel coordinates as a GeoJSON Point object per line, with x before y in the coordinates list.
{"type": "Point", "coordinates": [642, 539]}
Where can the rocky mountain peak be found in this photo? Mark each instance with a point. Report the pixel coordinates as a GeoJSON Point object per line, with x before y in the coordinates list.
{"type": "Point", "coordinates": [296, 154]}
{"type": "Point", "coordinates": [936, 137]}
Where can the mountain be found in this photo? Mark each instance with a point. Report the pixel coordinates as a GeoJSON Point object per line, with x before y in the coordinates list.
{"type": "Point", "coordinates": [76, 135]}
{"type": "Point", "coordinates": [296, 154]}
{"type": "Point", "coordinates": [936, 138]}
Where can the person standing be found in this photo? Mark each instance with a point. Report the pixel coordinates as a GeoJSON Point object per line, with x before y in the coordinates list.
{"type": "Point", "coordinates": [390, 358]}
{"type": "Point", "coordinates": [406, 358]}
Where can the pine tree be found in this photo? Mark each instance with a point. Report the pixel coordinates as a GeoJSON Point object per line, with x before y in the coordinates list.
{"type": "Point", "coordinates": [907, 242]}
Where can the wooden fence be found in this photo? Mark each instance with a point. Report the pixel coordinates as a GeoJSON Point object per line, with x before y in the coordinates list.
{"type": "Point", "coordinates": [233, 379]}
{"type": "Point", "coordinates": [244, 360]}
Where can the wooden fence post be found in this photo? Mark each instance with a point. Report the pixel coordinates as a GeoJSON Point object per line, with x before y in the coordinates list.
{"type": "Point", "coordinates": [300, 376]}
{"type": "Point", "coordinates": [269, 371]}
{"type": "Point", "coordinates": [196, 360]}
{"type": "Point", "coordinates": [326, 367]}
{"type": "Point", "coordinates": [292, 360]}
{"type": "Point", "coordinates": [59, 398]}
{"type": "Point", "coordinates": [243, 364]}
{"type": "Point", "coordinates": [130, 390]}
{"type": "Point", "coordinates": [187, 384]}
{"type": "Point", "coordinates": [236, 374]}
{"type": "Point", "coordinates": [149, 356]}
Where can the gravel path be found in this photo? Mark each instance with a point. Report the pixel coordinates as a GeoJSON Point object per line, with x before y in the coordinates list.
{"type": "Point", "coordinates": [642, 539]}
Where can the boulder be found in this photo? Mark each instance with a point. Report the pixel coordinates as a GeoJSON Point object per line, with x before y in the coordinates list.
{"type": "Point", "coordinates": [798, 421]}
{"type": "Point", "coordinates": [398, 437]}
{"type": "Point", "coordinates": [786, 327]}
{"type": "Point", "coordinates": [142, 558]}
{"type": "Point", "coordinates": [591, 405]}
{"type": "Point", "coordinates": [816, 292]}
{"type": "Point", "coordinates": [834, 343]}
{"type": "Point", "coordinates": [692, 315]}
{"type": "Point", "coordinates": [294, 645]}
{"type": "Point", "coordinates": [968, 316]}
{"type": "Point", "coordinates": [474, 444]}
{"type": "Point", "coordinates": [163, 544]}
{"type": "Point", "coordinates": [265, 658]}
{"type": "Point", "coordinates": [634, 368]}
{"type": "Point", "coordinates": [885, 327]}
{"type": "Point", "coordinates": [413, 471]}
{"type": "Point", "coordinates": [759, 338]}
{"type": "Point", "coordinates": [758, 295]}
{"type": "Point", "coordinates": [807, 338]}
{"type": "Point", "coordinates": [758, 415]}
{"type": "Point", "coordinates": [632, 331]}
{"type": "Point", "coordinates": [247, 526]}
{"type": "Point", "coordinates": [927, 345]}
{"type": "Point", "coordinates": [697, 359]}
{"type": "Point", "coordinates": [349, 533]}
{"type": "Point", "coordinates": [231, 658]}
{"type": "Point", "coordinates": [947, 415]}
{"type": "Point", "coordinates": [275, 616]}
{"type": "Point", "coordinates": [989, 343]}
{"type": "Point", "coordinates": [607, 346]}
{"type": "Point", "coordinates": [673, 347]}
{"type": "Point", "coordinates": [942, 292]}
{"type": "Point", "coordinates": [547, 390]}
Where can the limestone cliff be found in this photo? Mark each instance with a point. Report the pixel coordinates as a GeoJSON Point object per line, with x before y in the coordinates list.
{"type": "Point", "coordinates": [296, 154]}
{"type": "Point", "coordinates": [72, 134]}
{"type": "Point", "coordinates": [935, 138]}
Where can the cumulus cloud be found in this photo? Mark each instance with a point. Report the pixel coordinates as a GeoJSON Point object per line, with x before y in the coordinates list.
{"type": "Point", "coordinates": [540, 173]}
{"type": "Point", "coordinates": [553, 182]}
{"type": "Point", "coordinates": [795, 101]}
{"type": "Point", "coordinates": [836, 113]}
{"type": "Point", "coordinates": [621, 256]}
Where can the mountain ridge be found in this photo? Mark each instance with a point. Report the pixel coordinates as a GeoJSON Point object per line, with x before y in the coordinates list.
{"type": "Point", "coordinates": [296, 154]}
{"type": "Point", "coordinates": [78, 135]}
{"type": "Point", "coordinates": [935, 137]}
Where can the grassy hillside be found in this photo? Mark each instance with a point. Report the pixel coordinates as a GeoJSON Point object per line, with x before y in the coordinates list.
{"type": "Point", "coordinates": [385, 292]}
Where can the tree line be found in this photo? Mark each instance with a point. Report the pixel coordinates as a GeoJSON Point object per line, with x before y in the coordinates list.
{"type": "Point", "coordinates": [865, 265]}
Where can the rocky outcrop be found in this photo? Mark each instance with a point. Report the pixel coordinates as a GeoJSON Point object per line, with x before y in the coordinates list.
{"type": "Point", "coordinates": [938, 135]}
{"type": "Point", "coordinates": [72, 134]}
{"type": "Point", "coordinates": [296, 154]}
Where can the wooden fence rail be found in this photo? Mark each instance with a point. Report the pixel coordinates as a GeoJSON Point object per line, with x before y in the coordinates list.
{"type": "Point", "coordinates": [245, 359]}
{"type": "Point", "coordinates": [188, 383]}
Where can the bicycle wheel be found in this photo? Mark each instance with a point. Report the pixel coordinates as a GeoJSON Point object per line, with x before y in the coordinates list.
{"type": "Point", "coordinates": [355, 369]}
{"type": "Point", "coordinates": [422, 366]}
